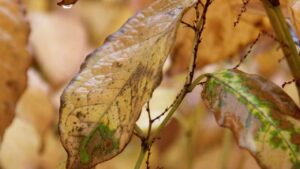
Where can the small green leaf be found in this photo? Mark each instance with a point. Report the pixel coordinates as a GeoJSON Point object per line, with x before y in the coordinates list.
{"type": "Point", "coordinates": [263, 118]}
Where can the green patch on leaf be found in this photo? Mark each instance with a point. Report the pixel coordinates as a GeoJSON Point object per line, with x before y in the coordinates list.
{"type": "Point", "coordinates": [105, 143]}
{"type": "Point", "coordinates": [264, 119]}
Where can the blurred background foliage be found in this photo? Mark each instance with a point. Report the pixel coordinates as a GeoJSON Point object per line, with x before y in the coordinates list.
{"type": "Point", "coordinates": [61, 38]}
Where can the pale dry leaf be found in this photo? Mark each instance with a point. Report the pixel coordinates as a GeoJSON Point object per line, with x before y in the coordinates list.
{"type": "Point", "coordinates": [60, 42]}
{"type": "Point", "coordinates": [140, 4]}
{"type": "Point", "coordinates": [36, 107]}
{"type": "Point", "coordinates": [53, 155]}
{"type": "Point", "coordinates": [20, 146]}
{"type": "Point", "coordinates": [15, 58]}
{"type": "Point", "coordinates": [102, 18]}
{"type": "Point", "coordinates": [161, 98]}
{"type": "Point", "coordinates": [102, 103]}
{"type": "Point", "coordinates": [295, 16]}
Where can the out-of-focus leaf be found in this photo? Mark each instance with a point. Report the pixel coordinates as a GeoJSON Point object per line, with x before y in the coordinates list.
{"type": "Point", "coordinates": [102, 103]}
{"type": "Point", "coordinates": [161, 98]}
{"type": "Point", "coordinates": [263, 118]}
{"type": "Point", "coordinates": [268, 61]}
{"type": "Point", "coordinates": [60, 43]}
{"type": "Point", "coordinates": [295, 13]}
{"type": "Point", "coordinates": [112, 15]}
{"type": "Point", "coordinates": [20, 146]}
{"type": "Point", "coordinates": [140, 4]}
{"type": "Point", "coordinates": [217, 45]}
{"type": "Point", "coordinates": [36, 107]}
{"type": "Point", "coordinates": [15, 58]}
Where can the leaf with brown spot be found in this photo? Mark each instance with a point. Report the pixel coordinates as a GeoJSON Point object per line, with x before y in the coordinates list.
{"type": "Point", "coordinates": [15, 58]}
{"type": "Point", "coordinates": [102, 103]}
{"type": "Point", "coordinates": [263, 118]}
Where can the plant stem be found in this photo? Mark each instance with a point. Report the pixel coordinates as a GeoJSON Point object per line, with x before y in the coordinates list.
{"type": "Point", "coordinates": [141, 157]}
{"type": "Point", "coordinates": [282, 32]}
{"type": "Point", "coordinates": [199, 28]}
{"type": "Point", "coordinates": [138, 131]}
{"type": "Point", "coordinates": [197, 81]}
{"type": "Point", "coordinates": [226, 147]}
{"type": "Point", "coordinates": [189, 148]}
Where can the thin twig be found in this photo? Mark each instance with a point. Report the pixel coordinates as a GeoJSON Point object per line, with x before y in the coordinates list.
{"type": "Point", "coordinates": [148, 141]}
{"type": "Point", "coordinates": [199, 28]}
{"type": "Point", "coordinates": [287, 83]}
{"type": "Point", "coordinates": [248, 52]}
{"type": "Point", "coordinates": [188, 25]}
{"type": "Point", "coordinates": [200, 25]}
{"type": "Point", "coordinates": [243, 10]}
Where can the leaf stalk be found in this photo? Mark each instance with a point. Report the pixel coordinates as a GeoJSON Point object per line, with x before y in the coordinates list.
{"type": "Point", "coordinates": [283, 34]}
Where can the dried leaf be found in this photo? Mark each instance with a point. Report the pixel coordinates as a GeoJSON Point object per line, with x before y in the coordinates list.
{"type": "Point", "coordinates": [15, 59]}
{"type": "Point", "coordinates": [36, 107]}
{"type": "Point", "coordinates": [294, 14]}
{"type": "Point", "coordinates": [263, 118]}
{"type": "Point", "coordinates": [20, 146]}
{"type": "Point", "coordinates": [66, 42]}
{"type": "Point", "coordinates": [101, 105]}
{"type": "Point", "coordinates": [217, 45]}
{"type": "Point", "coordinates": [111, 14]}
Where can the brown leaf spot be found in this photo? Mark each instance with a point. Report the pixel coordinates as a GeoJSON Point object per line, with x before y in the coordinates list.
{"type": "Point", "coordinates": [296, 138]}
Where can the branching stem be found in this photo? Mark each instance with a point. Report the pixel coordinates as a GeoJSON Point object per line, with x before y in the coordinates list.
{"type": "Point", "coordinates": [200, 25]}
{"type": "Point", "coordinates": [141, 157]}
{"type": "Point", "coordinates": [189, 85]}
{"type": "Point", "coordinates": [283, 34]}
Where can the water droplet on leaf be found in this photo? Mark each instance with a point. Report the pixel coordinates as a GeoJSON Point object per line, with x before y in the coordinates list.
{"type": "Point", "coordinates": [67, 6]}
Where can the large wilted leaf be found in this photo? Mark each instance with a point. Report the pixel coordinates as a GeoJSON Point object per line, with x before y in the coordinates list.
{"type": "Point", "coordinates": [102, 103]}
{"type": "Point", "coordinates": [14, 58]}
{"type": "Point", "coordinates": [264, 119]}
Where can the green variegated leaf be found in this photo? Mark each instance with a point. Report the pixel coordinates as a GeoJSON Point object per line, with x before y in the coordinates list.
{"type": "Point", "coordinates": [263, 118]}
{"type": "Point", "coordinates": [102, 103]}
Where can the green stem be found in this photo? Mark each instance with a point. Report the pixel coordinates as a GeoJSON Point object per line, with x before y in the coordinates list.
{"type": "Point", "coordinates": [139, 131]}
{"type": "Point", "coordinates": [140, 159]}
{"type": "Point", "coordinates": [190, 148]}
{"type": "Point", "coordinates": [226, 147]}
{"type": "Point", "coordinates": [178, 102]}
{"type": "Point", "coordinates": [197, 81]}
{"type": "Point", "coordinates": [189, 84]}
{"type": "Point", "coordinates": [282, 32]}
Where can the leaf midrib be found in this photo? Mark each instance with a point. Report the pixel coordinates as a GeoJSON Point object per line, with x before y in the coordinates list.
{"type": "Point", "coordinates": [255, 107]}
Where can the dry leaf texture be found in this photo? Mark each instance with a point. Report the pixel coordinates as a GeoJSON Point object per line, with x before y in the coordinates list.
{"type": "Point", "coordinates": [263, 118]}
{"type": "Point", "coordinates": [102, 103]}
{"type": "Point", "coordinates": [15, 58]}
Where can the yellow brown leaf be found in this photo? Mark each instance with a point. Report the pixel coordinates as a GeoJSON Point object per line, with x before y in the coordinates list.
{"type": "Point", "coordinates": [15, 58]}
{"type": "Point", "coordinates": [102, 103]}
